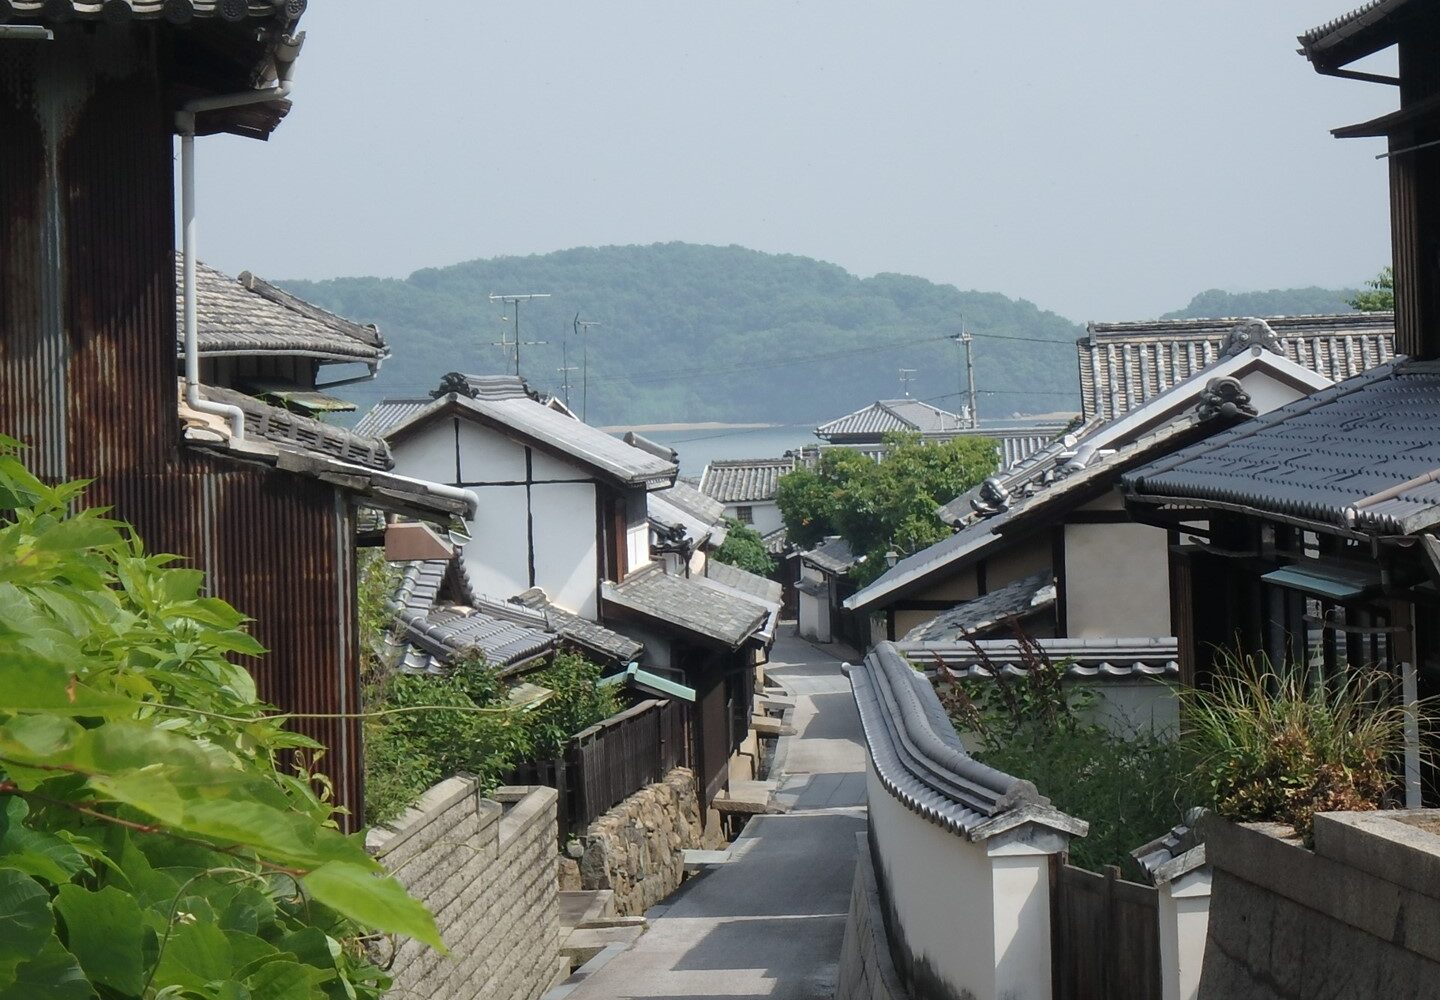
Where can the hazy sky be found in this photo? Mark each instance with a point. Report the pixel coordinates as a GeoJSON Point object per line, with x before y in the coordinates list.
{"type": "Point", "coordinates": [1104, 160]}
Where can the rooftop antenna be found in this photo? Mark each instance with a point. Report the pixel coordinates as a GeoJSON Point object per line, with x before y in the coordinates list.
{"type": "Point", "coordinates": [582, 327]}
{"type": "Point", "coordinates": [964, 338]}
{"type": "Point", "coordinates": [907, 375]}
{"type": "Point", "coordinates": [514, 302]}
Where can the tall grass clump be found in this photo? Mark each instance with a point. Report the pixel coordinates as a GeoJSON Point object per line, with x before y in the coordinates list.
{"type": "Point", "coordinates": [1276, 744]}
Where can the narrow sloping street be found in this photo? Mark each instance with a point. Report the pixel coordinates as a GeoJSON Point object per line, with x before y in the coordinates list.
{"type": "Point", "coordinates": [770, 922]}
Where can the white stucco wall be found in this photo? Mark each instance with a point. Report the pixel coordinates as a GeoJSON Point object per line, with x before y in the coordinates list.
{"type": "Point", "coordinates": [1144, 704]}
{"type": "Point", "coordinates": [637, 530]}
{"type": "Point", "coordinates": [1266, 393]}
{"type": "Point", "coordinates": [1184, 916]}
{"type": "Point", "coordinates": [765, 515]}
{"type": "Point", "coordinates": [976, 915]}
{"type": "Point", "coordinates": [813, 613]}
{"type": "Point", "coordinates": [1116, 580]}
{"type": "Point", "coordinates": [557, 510]}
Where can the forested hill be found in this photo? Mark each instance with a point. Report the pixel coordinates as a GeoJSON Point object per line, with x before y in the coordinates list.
{"type": "Point", "coordinates": [691, 333]}
{"type": "Point", "coordinates": [1276, 302]}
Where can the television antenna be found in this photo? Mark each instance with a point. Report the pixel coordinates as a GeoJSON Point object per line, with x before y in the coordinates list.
{"type": "Point", "coordinates": [513, 346]}
{"type": "Point", "coordinates": [907, 375]}
{"type": "Point", "coordinates": [582, 327]}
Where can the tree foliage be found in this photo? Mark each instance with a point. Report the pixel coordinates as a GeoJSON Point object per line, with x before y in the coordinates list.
{"type": "Point", "coordinates": [675, 315]}
{"type": "Point", "coordinates": [150, 843]}
{"type": "Point", "coordinates": [1214, 303]}
{"type": "Point", "coordinates": [886, 505]}
{"type": "Point", "coordinates": [1380, 297]}
{"type": "Point", "coordinates": [744, 547]}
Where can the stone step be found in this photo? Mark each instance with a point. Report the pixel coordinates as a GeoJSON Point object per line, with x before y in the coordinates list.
{"type": "Point", "coordinates": [578, 907]}
{"type": "Point", "coordinates": [583, 944]}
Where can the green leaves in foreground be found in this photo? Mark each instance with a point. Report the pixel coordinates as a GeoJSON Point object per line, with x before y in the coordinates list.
{"type": "Point", "coordinates": [150, 843]}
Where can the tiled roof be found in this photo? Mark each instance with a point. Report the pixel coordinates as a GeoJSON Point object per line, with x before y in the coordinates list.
{"type": "Point", "coordinates": [695, 503]}
{"type": "Point", "coordinates": [887, 416]}
{"type": "Point", "coordinates": [832, 555]}
{"type": "Point", "coordinates": [249, 316]}
{"type": "Point", "coordinates": [504, 402]}
{"type": "Point", "coordinates": [95, 10]}
{"type": "Point", "coordinates": [1086, 659]}
{"type": "Point", "coordinates": [389, 413]}
{"type": "Point", "coordinates": [683, 509]}
{"type": "Point", "coordinates": [744, 480]}
{"type": "Point", "coordinates": [919, 759]}
{"type": "Point", "coordinates": [285, 428]}
{"type": "Point", "coordinates": [1178, 851]}
{"type": "Point", "coordinates": [1316, 41]}
{"type": "Point", "coordinates": [777, 542]}
{"type": "Point", "coordinates": [581, 631]}
{"type": "Point", "coordinates": [1072, 486]}
{"type": "Point", "coordinates": [1363, 454]}
{"type": "Point", "coordinates": [1024, 598]}
{"type": "Point", "coordinates": [435, 633]}
{"type": "Point", "coordinates": [1124, 364]}
{"type": "Point", "coordinates": [688, 605]}
{"type": "Point", "coordinates": [761, 587]}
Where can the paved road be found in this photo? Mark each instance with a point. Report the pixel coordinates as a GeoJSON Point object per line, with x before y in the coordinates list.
{"type": "Point", "coordinates": [768, 924]}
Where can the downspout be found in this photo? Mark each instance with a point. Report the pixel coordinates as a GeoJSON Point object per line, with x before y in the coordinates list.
{"type": "Point", "coordinates": [185, 125]}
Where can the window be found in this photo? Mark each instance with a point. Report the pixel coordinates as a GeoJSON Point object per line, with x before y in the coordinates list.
{"type": "Point", "coordinates": [745, 515]}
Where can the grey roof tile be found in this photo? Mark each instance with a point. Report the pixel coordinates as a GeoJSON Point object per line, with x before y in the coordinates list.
{"type": "Point", "coordinates": [886, 416]}
{"type": "Point", "coordinates": [744, 480]}
{"type": "Point", "coordinates": [285, 428]}
{"type": "Point", "coordinates": [688, 605]}
{"type": "Point", "coordinates": [248, 316]}
{"type": "Point", "coordinates": [1338, 29]}
{"type": "Point", "coordinates": [505, 402]}
{"type": "Point", "coordinates": [155, 9]}
{"type": "Point", "coordinates": [1176, 852]}
{"type": "Point", "coordinates": [1122, 365]}
{"type": "Point", "coordinates": [777, 542]}
{"type": "Point", "coordinates": [581, 631]}
{"type": "Point", "coordinates": [1360, 455]}
{"type": "Point", "coordinates": [1026, 597]}
{"type": "Point", "coordinates": [762, 587]}
{"type": "Point", "coordinates": [388, 413]}
{"type": "Point", "coordinates": [918, 758]}
{"type": "Point", "coordinates": [833, 555]}
{"type": "Point", "coordinates": [1101, 659]}
{"type": "Point", "coordinates": [434, 633]}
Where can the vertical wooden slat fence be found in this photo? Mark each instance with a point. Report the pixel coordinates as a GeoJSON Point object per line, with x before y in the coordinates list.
{"type": "Point", "coordinates": [612, 760]}
{"type": "Point", "coordinates": [1105, 936]}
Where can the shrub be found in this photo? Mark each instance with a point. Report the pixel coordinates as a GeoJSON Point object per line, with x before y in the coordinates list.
{"type": "Point", "coordinates": [1032, 726]}
{"type": "Point", "coordinates": [150, 845]}
{"type": "Point", "coordinates": [1272, 743]}
{"type": "Point", "coordinates": [744, 547]}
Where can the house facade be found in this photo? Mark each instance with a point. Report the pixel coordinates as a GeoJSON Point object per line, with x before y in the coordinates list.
{"type": "Point", "coordinates": [747, 488]}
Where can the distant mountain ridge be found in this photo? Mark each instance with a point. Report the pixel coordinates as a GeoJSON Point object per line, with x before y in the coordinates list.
{"type": "Point", "coordinates": [1275, 302]}
{"type": "Point", "coordinates": [694, 333]}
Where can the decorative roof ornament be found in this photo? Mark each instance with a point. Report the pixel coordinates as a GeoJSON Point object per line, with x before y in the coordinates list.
{"type": "Point", "coordinates": [456, 383]}
{"type": "Point", "coordinates": [1225, 397]}
{"type": "Point", "coordinates": [1252, 332]}
{"type": "Point", "coordinates": [992, 499]}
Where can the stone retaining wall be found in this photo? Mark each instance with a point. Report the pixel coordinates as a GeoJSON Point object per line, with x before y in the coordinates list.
{"type": "Point", "coordinates": [867, 972]}
{"type": "Point", "coordinates": [486, 869]}
{"type": "Point", "coordinates": [635, 849]}
{"type": "Point", "coordinates": [1357, 917]}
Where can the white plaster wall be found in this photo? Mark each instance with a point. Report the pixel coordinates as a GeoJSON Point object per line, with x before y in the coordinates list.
{"type": "Point", "coordinates": [1184, 916]}
{"type": "Point", "coordinates": [814, 617]}
{"type": "Point", "coordinates": [487, 456]}
{"type": "Point", "coordinates": [1021, 897]}
{"type": "Point", "coordinates": [497, 556]}
{"type": "Point", "coordinates": [429, 453]}
{"type": "Point", "coordinates": [1128, 707]}
{"type": "Point", "coordinates": [765, 516]}
{"type": "Point", "coordinates": [1015, 562]}
{"type": "Point", "coordinates": [566, 558]}
{"type": "Point", "coordinates": [546, 467]}
{"type": "Point", "coordinates": [1266, 393]}
{"type": "Point", "coordinates": [1116, 580]}
{"type": "Point", "coordinates": [940, 887]}
{"type": "Point", "coordinates": [637, 530]}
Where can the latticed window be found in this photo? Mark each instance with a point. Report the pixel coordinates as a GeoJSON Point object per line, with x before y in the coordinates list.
{"type": "Point", "coordinates": [745, 515]}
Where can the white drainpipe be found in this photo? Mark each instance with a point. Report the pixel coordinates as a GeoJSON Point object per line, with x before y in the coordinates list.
{"type": "Point", "coordinates": [185, 125]}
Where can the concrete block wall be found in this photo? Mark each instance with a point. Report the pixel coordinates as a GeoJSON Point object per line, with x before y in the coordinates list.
{"type": "Point", "coordinates": [486, 868]}
{"type": "Point", "coordinates": [867, 972]}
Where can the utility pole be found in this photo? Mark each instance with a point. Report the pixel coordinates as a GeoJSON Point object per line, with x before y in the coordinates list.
{"type": "Point", "coordinates": [907, 375]}
{"type": "Point", "coordinates": [514, 302]}
{"type": "Point", "coordinates": [965, 339]}
{"type": "Point", "coordinates": [582, 327]}
{"type": "Point", "coordinates": [565, 369]}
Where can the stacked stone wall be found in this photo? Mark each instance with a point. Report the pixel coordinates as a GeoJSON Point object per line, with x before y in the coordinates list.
{"type": "Point", "coordinates": [637, 849]}
{"type": "Point", "coordinates": [486, 868]}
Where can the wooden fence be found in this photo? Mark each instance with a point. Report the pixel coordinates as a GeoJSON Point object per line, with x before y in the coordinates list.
{"type": "Point", "coordinates": [612, 760]}
{"type": "Point", "coordinates": [1105, 935]}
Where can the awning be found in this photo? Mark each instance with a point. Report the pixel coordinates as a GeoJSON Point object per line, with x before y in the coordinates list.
{"type": "Point", "coordinates": [654, 683]}
{"type": "Point", "coordinates": [1340, 583]}
{"type": "Point", "coordinates": [303, 400]}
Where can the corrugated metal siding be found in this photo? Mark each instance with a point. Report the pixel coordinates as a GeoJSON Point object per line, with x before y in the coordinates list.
{"type": "Point", "coordinates": [87, 371]}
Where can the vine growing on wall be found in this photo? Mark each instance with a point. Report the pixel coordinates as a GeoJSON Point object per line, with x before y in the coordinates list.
{"type": "Point", "coordinates": [151, 845]}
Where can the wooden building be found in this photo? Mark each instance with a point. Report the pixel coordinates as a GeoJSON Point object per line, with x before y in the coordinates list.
{"type": "Point", "coordinates": [91, 99]}
{"type": "Point", "coordinates": [1311, 532]}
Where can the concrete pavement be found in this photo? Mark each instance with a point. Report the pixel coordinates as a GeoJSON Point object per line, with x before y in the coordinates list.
{"type": "Point", "coordinates": [770, 922]}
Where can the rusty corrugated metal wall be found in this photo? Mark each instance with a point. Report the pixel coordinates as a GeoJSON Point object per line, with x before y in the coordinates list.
{"type": "Point", "coordinates": [88, 371]}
